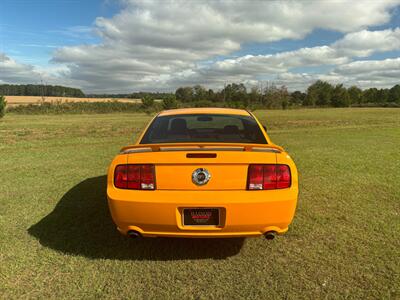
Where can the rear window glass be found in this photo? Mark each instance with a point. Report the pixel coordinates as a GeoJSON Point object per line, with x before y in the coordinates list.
{"type": "Point", "coordinates": [213, 128]}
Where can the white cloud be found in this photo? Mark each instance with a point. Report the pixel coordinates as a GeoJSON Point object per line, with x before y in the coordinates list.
{"type": "Point", "coordinates": [299, 81]}
{"type": "Point", "coordinates": [364, 43]}
{"type": "Point", "coordinates": [155, 45]}
{"type": "Point", "coordinates": [352, 45]}
{"type": "Point", "coordinates": [158, 45]}
{"type": "Point", "coordinates": [14, 72]}
{"type": "Point", "coordinates": [357, 44]}
{"type": "Point", "coordinates": [280, 62]}
{"type": "Point", "coordinates": [366, 73]}
{"type": "Point", "coordinates": [366, 66]}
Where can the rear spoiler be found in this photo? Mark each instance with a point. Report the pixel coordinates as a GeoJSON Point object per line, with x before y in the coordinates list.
{"type": "Point", "coordinates": [201, 147]}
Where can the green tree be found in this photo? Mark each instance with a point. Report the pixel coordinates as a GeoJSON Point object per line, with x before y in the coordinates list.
{"type": "Point", "coordinates": [255, 95]}
{"type": "Point", "coordinates": [319, 93]}
{"type": "Point", "coordinates": [199, 93]}
{"type": "Point", "coordinates": [3, 104]}
{"type": "Point", "coordinates": [39, 90]}
{"type": "Point", "coordinates": [355, 94]}
{"type": "Point", "coordinates": [275, 97]}
{"type": "Point", "coordinates": [211, 95]}
{"type": "Point", "coordinates": [370, 95]}
{"type": "Point", "coordinates": [147, 101]}
{"type": "Point", "coordinates": [184, 94]}
{"type": "Point", "coordinates": [382, 96]}
{"type": "Point", "coordinates": [394, 94]}
{"type": "Point", "coordinates": [324, 93]}
{"type": "Point", "coordinates": [340, 96]}
{"type": "Point", "coordinates": [284, 96]}
{"type": "Point", "coordinates": [310, 98]}
{"type": "Point", "coordinates": [170, 102]}
{"type": "Point", "coordinates": [235, 95]}
{"type": "Point", "coordinates": [270, 96]}
{"type": "Point", "coordinates": [297, 98]}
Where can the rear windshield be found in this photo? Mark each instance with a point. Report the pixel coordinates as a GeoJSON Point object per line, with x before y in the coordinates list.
{"type": "Point", "coordinates": [213, 128]}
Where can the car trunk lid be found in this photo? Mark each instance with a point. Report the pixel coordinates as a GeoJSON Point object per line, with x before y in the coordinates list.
{"type": "Point", "coordinates": [227, 166]}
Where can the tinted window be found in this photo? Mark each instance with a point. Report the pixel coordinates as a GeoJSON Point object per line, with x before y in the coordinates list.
{"type": "Point", "coordinates": [203, 128]}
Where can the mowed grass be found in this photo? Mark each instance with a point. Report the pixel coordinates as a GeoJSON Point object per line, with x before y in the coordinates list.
{"type": "Point", "coordinates": [57, 239]}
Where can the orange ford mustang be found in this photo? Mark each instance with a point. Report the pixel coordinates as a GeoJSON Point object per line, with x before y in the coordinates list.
{"type": "Point", "coordinates": [203, 172]}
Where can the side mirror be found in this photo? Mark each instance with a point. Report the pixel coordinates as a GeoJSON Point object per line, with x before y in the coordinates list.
{"type": "Point", "coordinates": [265, 128]}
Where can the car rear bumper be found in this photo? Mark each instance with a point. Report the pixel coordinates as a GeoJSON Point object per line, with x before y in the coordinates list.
{"type": "Point", "coordinates": [243, 213]}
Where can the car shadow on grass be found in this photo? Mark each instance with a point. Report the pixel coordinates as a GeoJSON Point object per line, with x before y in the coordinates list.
{"type": "Point", "coordinates": [81, 224]}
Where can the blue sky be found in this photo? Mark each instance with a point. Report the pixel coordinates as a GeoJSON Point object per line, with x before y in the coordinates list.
{"type": "Point", "coordinates": [128, 45]}
{"type": "Point", "coordinates": [32, 29]}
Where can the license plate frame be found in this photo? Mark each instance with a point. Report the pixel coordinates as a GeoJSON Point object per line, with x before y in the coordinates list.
{"type": "Point", "coordinates": [201, 216]}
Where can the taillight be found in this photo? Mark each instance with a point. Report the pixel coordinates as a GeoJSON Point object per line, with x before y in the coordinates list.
{"type": "Point", "coordinates": [268, 177]}
{"type": "Point", "coordinates": [135, 177]}
{"type": "Point", "coordinates": [255, 177]}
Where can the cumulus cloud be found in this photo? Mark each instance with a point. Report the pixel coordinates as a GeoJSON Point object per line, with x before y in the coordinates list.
{"type": "Point", "coordinates": [156, 45]}
{"type": "Point", "coordinates": [357, 44]}
{"type": "Point", "coordinates": [364, 73]}
{"type": "Point", "coordinates": [281, 62]}
{"type": "Point", "coordinates": [159, 45]}
{"type": "Point", "coordinates": [298, 81]}
{"type": "Point", "coordinates": [379, 73]}
{"type": "Point", "coordinates": [353, 45]}
{"type": "Point", "coordinates": [364, 43]}
{"type": "Point", "coordinates": [12, 71]}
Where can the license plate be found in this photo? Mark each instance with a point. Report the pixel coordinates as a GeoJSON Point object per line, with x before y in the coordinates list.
{"type": "Point", "coordinates": [201, 216]}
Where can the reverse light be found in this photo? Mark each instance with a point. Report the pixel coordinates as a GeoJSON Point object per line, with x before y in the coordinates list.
{"type": "Point", "coordinates": [268, 177]}
{"type": "Point", "coordinates": [135, 177]}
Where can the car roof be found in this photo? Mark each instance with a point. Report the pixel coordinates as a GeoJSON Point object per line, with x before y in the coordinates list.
{"type": "Point", "coordinates": [204, 110]}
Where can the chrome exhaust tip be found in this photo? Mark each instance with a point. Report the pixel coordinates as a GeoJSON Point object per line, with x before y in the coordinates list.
{"type": "Point", "coordinates": [134, 234]}
{"type": "Point", "coordinates": [269, 235]}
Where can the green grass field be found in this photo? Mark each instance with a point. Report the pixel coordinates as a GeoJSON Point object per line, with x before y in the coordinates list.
{"type": "Point", "coordinates": [57, 239]}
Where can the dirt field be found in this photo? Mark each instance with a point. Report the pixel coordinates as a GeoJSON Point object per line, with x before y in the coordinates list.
{"type": "Point", "coordinates": [18, 100]}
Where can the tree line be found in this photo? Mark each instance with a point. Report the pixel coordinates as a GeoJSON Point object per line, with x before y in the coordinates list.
{"type": "Point", "coordinates": [320, 94]}
{"type": "Point", "coordinates": [39, 90]}
{"type": "Point", "coordinates": [134, 95]}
